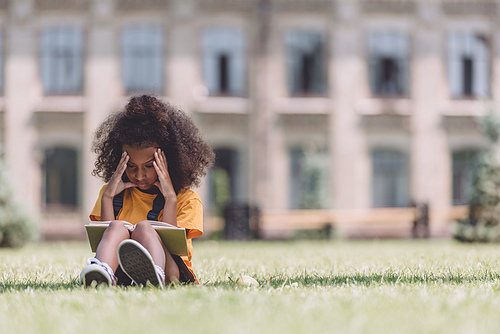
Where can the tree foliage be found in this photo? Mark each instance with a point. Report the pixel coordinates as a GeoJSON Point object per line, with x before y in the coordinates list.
{"type": "Point", "coordinates": [17, 226]}
{"type": "Point", "coordinates": [483, 223]}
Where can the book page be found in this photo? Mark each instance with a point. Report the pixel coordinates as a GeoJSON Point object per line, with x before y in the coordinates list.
{"type": "Point", "coordinates": [107, 222]}
{"type": "Point", "coordinates": [174, 238]}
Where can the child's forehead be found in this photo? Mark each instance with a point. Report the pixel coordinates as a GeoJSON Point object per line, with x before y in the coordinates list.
{"type": "Point", "coordinates": [140, 154]}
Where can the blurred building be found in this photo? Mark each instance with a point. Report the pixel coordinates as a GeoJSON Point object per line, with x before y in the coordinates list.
{"type": "Point", "coordinates": [309, 104]}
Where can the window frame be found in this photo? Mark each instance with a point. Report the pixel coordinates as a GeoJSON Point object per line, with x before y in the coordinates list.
{"type": "Point", "coordinates": [298, 44]}
{"type": "Point", "coordinates": [59, 205]}
{"type": "Point", "coordinates": [68, 44]}
{"type": "Point", "coordinates": [399, 180]}
{"type": "Point", "coordinates": [2, 61]}
{"type": "Point", "coordinates": [468, 166]}
{"type": "Point", "coordinates": [474, 45]}
{"type": "Point", "coordinates": [379, 48]}
{"type": "Point", "coordinates": [150, 40]}
{"type": "Point", "coordinates": [308, 186]}
{"type": "Point", "coordinates": [230, 42]}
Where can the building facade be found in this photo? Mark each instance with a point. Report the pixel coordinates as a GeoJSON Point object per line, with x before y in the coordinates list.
{"type": "Point", "coordinates": [309, 104]}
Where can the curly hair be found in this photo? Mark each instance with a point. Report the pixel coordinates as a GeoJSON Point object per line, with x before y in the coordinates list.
{"type": "Point", "coordinates": [145, 122]}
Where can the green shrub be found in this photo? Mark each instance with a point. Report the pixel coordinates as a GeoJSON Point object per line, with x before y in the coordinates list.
{"type": "Point", "coordinates": [483, 223]}
{"type": "Point", "coordinates": [17, 226]}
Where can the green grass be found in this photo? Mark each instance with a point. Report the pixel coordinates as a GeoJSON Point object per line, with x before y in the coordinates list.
{"type": "Point", "coordinates": [305, 287]}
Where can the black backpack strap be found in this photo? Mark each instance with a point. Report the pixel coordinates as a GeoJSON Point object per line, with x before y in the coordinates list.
{"type": "Point", "coordinates": [158, 205]}
{"type": "Point", "coordinates": [118, 203]}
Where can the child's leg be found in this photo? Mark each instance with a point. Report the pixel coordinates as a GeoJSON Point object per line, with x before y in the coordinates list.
{"type": "Point", "coordinates": [114, 234]}
{"type": "Point", "coordinates": [146, 235]}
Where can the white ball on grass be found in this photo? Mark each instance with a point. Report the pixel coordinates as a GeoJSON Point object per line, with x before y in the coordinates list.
{"type": "Point", "coordinates": [245, 280]}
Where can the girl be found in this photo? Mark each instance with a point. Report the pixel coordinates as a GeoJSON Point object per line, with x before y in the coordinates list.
{"type": "Point", "coordinates": [149, 154]}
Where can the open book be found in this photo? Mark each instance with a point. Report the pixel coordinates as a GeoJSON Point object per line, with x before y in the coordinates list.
{"type": "Point", "coordinates": [174, 238]}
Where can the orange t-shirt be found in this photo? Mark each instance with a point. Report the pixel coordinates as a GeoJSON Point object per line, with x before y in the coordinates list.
{"type": "Point", "coordinates": [137, 204]}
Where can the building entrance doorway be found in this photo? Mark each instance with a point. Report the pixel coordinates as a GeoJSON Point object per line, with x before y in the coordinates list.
{"type": "Point", "coordinates": [223, 179]}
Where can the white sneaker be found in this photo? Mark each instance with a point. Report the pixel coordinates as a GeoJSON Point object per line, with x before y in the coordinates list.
{"type": "Point", "coordinates": [138, 264]}
{"type": "Point", "coordinates": [98, 272]}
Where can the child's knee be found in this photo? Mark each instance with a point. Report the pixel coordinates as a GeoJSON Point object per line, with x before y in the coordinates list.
{"type": "Point", "coordinates": [143, 228]}
{"type": "Point", "coordinates": [117, 226]}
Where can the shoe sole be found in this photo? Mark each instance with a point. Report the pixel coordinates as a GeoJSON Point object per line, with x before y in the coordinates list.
{"type": "Point", "coordinates": [137, 263]}
{"type": "Point", "coordinates": [94, 275]}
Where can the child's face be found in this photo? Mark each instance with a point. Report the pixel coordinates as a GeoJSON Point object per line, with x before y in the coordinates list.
{"type": "Point", "coordinates": [140, 169]}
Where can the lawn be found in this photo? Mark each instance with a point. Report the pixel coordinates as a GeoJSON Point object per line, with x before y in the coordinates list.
{"type": "Point", "coordinates": [305, 287]}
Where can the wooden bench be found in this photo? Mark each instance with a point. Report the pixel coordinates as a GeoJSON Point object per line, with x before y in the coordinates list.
{"type": "Point", "coordinates": [347, 223]}
{"type": "Point", "coordinates": [371, 222]}
{"type": "Point", "coordinates": [278, 222]}
{"type": "Point", "coordinates": [376, 222]}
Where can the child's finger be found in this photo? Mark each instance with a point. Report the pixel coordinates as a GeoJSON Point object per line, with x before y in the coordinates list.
{"type": "Point", "coordinates": [159, 171]}
{"type": "Point", "coordinates": [122, 158]}
{"type": "Point", "coordinates": [162, 158]}
{"type": "Point", "coordinates": [159, 159]}
{"type": "Point", "coordinates": [122, 165]}
{"type": "Point", "coordinates": [158, 155]}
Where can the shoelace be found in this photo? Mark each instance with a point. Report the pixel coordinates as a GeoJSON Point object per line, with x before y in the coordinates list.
{"type": "Point", "coordinates": [106, 267]}
{"type": "Point", "coordinates": [161, 273]}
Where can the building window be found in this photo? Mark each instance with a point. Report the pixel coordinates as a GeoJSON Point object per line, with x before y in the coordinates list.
{"type": "Point", "coordinates": [388, 63]}
{"type": "Point", "coordinates": [142, 59]}
{"type": "Point", "coordinates": [465, 164]}
{"type": "Point", "coordinates": [390, 180]}
{"type": "Point", "coordinates": [306, 63]}
{"type": "Point", "coordinates": [308, 180]}
{"type": "Point", "coordinates": [468, 65]}
{"type": "Point", "coordinates": [1, 63]}
{"type": "Point", "coordinates": [224, 61]}
{"type": "Point", "coordinates": [61, 179]}
{"type": "Point", "coordinates": [61, 62]}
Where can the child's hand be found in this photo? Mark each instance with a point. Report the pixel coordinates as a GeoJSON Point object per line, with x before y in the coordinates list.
{"type": "Point", "coordinates": [116, 184]}
{"type": "Point", "coordinates": [164, 183]}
